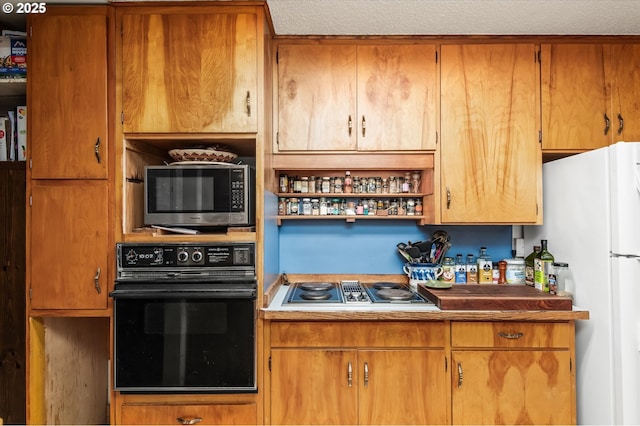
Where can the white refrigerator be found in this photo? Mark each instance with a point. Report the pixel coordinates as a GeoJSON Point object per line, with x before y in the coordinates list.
{"type": "Point", "coordinates": [591, 220]}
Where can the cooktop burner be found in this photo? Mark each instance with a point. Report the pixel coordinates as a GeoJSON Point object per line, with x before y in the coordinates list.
{"type": "Point", "coordinates": [351, 292]}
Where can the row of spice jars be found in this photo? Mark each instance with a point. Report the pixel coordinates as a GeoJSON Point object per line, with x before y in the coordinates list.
{"type": "Point", "coordinates": [410, 183]}
{"type": "Point", "coordinates": [341, 206]}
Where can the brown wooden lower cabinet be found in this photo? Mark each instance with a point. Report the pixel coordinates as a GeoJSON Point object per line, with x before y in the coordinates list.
{"type": "Point", "coordinates": [358, 373]}
{"type": "Point", "coordinates": [513, 373]}
{"type": "Point", "coordinates": [421, 372]}
{"type": "Point", "coordinates": [175, 413]}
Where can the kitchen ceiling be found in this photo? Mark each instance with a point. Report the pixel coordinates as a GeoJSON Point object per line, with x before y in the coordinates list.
{"type": "Point", "coordinates": [438, 17]}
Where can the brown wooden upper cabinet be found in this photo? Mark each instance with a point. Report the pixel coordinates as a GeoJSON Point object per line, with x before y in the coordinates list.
{"type": "Point", "coordinates": [576, 111]}
{"type": "Point", "coordinates": [189, 70]}
{"type": "Point", "coordinates": [356, 97]}
{"type": "Point", "coordinates": [624, 76]}
{"type": "Point", "coordinates": [490, 162]}
{"type": "Point", "coordinates": [590, 95]}
{"type": "Point", "coordinates": [67, 94]}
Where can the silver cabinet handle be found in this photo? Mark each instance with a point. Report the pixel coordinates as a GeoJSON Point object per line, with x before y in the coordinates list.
{"type": "Point", "coordinates": [512, 336]}
{"type": "Point", "coordinates": [459, 375]}
{"type": "Point", "coordinates": [448, 198]}
{"type": "Point", "coordinates": [350, 374]}
{"type": "Point", "coordinates": [96, 150]}
{"type": "Point", "coordinates": [350, 125]}
{"type": "Point", "coordinates": [187, 421]}
{"type": "Point", "coordinates": [621, 126]}
{"type": "Point", "coordinates": [96, 281]}
{"type": "Point", "coordinates": [366, 374]}
{"type": "Point", "coordinates": [364, 126]}
{"type": "Point", "coordinates": [607, 124]}
{"type": "Point", "coordinates": [248, 101]}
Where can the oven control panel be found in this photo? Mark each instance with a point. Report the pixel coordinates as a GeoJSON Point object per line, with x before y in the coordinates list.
{"type": "Point", "coordinates": [185, 255]}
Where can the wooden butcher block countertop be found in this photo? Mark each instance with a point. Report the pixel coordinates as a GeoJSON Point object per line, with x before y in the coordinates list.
{"type": "Point", "coordinates": [479, 297]}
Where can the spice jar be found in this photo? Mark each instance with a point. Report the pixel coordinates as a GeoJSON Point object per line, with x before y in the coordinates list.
{"type": "Point", "coordinates": [282, 207]}
{"type": "Point", "coordinates": [326, 185]}
{"type": "Point", "coordinates": [337, 182]}
{"type": "Point", "coordinates": [324, 207]}
{"type": "Point", "coordinates": [415, 182]}
{"type": "Point", "coordinates": [411, 207]}
{"type": "Point", "coordinates": [294, 206]}
{"type": "Point", "coordinates": [348, 182]}
{"type": "Point", "coordinates": [418, 207]}
{"type": "Point", "coordinates": [448, 270]}
{"type": "Point", "coordinates": [284, 183]}
{"type": "Point", "coordinates": [306, 206]}
{"type": "Point", "coordinates": [515, 273]}
{"type": "Point", "coordinates": [393, 185]}
{"type": "Point", "coordinates": [304, 184]}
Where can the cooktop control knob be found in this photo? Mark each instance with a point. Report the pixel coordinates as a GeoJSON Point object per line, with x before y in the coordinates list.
{"type": "Point", "coordinates": [196, 256]}
{"type": "Point", "coordinates": [183, 256]}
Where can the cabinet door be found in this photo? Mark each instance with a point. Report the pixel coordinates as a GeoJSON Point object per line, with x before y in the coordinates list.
{"type": "Point", "coordinates": [575, 102]}
{"type": "Point", "coordinates": [314, 386]}
{"type": "Point", "coordinates": [316, 98]}
{"type": "Point", "coordinates": [69, 245]}
{"type": "Point", "coordinates": [512, 387]}
{"type": "Point", "coordinates": [625, 86]}
{"type": "Point", "coordinates": [189, 72]}
{"type": "Point", "coordinates": [396, 97]}
{"type": "Point", "coordinates": [402, 387]}
{"type": "Point", "coordinates": [490, 155]}
{"type": "Point", "coordinates": [67, 96]}
{"type": "Point", "coordinates": [201, 414]}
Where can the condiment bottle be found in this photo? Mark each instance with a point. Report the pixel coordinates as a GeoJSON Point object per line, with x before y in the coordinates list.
{"type": "Point", "coordinates": [472, 270]}
{"type": "Point", "coordinates": [461, 270]}
{"type": "Point", "coordinates": [448, 270]}
{"type": "Point", "coordinates": [485, 267]}
{"type": "Point", "coordinates": [542, 265]}
{"type": "Point", "coordinates": [348, 182]}
{"type": "Point", "coordinates": [528, 266]}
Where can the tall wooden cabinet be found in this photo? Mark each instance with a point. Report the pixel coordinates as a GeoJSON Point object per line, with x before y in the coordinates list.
{"type": "Point", "coordinates": [69, 249]}
{"type": "Point", "coordinates": [490, 157]}
{"type": "Point", "coordinates": [624, 76]}
{"type": "Point", "coordinates": [356, 97]}
{"type": "Point", "coordinates": [186, 70]}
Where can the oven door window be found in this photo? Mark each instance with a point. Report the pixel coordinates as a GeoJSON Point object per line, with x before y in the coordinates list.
{"type": "Point", "coordinates": [185, 345]}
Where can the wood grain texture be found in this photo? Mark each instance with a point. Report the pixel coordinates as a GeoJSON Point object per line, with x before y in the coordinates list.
{"type": "Point", "coordinates": [397, 97]}
{"type": "Point", "coordinates": [316, 97]}
{"type": "Point", "coordinates": [575, 96]}
{"type": "Point", "coordinates": [511, 334]}
{"type": "Point", "coordinates": [70, 216]}
{"type": "Point", "coordinates": [495, 298]}
{"type": "Point", "coordinates": [211, 414]}
{"type": "Point", "coordinates": [512, 387]}
{"type": "Point", "coordinates": [490, 155]}
{"type": "Point", "coordinates": [187, 73]}
{"type": "Point", "coordinates": [624, 77]}
{"type": "Point", "coordinates": [67, 96]}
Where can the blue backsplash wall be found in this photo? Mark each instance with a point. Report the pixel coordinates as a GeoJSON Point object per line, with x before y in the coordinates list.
{"type": "Point", "coordinates": [369, 246]}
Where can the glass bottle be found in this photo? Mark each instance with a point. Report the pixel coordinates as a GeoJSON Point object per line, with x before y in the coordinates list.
{"type": "Point", "coordinates": [542, 265]}
{"type": "Point", "coordinates": [406, 183]}
{"type": "Point", "coordinates": [348, 182]}
{"type": "Point", "coordinates": [324, 208]}
{"type": "Point", "coordinates": [294, 206]}
{"type": "Point", "coordinates": [337, 185]}
{"type": "Point", "coordinates": [411, 207]}
{"type": "Point", "coordinates": [284, 183]}
{"type": "Point", "coordinates": [472, 270]}
{"type": "Point", "coordinates": [315, 207]}
{"type": "Point", "coordinates": [282, 207]}
{"type": "Point", "coordinates": [418, 207]}
{"type": "Point", "coordinates": [485, 267]}
{"type": "Point", "coordinates": [304, 184]}
{"type": "Point", "coordinates": [415, 182]}
{"type": "Point", "coordinates": [326, 185]}
{"type": "Point", "coordinates": [528, 266]}
{"type": "Point", "coordinates": [461, 269]}
{"type": "Point", "coordinates": [306, 207]}
{"type": "Point", "coordinates": [448, 270]}
{"type": "Point", "coordinates": [393, 185]}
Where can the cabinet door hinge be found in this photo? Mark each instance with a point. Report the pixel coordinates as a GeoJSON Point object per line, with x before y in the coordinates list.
{"type": "Point", "coordinates": [269, 363]}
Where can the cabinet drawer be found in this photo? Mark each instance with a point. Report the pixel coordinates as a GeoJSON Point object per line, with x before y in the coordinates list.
{"type": "Point", "coordinates": [511, 334]}
{"type": "Point", "coordinates": [412, 334]}
{"type": "Point", "coordinates": [169, 414]}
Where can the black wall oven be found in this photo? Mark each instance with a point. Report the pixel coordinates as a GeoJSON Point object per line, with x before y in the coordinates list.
{"type": "Point", "coordinates": [185, 318]}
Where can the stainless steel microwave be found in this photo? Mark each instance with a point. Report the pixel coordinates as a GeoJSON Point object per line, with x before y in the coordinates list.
{"type": "Point", "coordinates": [199, 195]}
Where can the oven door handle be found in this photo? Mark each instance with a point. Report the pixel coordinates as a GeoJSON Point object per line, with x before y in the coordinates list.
{"type": "Point", "coordinates": [183, 294]}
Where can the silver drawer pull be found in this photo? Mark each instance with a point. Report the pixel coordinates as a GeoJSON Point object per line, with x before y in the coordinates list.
{"type": "Point", "coordinates": [510, 335]}
{"type": "Point", "coordinates": [350, 374]}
